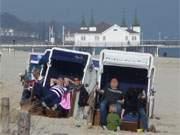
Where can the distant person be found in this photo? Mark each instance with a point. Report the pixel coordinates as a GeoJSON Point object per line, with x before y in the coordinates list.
{"type": "Point", "coordinates": [165, 54]}
{"type": "Point", "coordinates": [111, 95]}
{"type": "Point", "coordinates": [113, 119]}
{"type": "Point", "coordinates": [14, 41]}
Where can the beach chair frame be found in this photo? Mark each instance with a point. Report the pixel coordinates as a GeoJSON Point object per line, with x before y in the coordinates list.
{"type": "Point", "coordinates": [132, 60]}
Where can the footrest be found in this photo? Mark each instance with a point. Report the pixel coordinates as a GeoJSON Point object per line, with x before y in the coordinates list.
{"type": "Point", "coordinates": [129, 126]}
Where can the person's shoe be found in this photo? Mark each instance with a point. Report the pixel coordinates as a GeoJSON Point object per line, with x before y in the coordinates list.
{"type": "Point", "coordinates": [104, 127]}
{"type": "Point", "coordinates": [78, 125]}
{"type": "Point", "coordinates": [89, 125]}
{"type": "Point", "coordinates": [140, 130]}
{"type": "Point", "coordinates": [152, 128]}
{"type": "Point", "coordinates": [118, 129]}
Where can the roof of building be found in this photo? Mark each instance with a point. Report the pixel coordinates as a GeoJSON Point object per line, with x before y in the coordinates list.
{"type": "Point", "coordinates": [136, 21]}
{"type": "Point", "coordinates": [131, 31]}
{"type": "Point", "coordinates": [83, 22]}
{"type": "Point", "coordinates": [101, 27]}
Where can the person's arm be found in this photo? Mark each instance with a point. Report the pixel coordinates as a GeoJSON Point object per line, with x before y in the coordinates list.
{"type": "Point", "coordinates": [122, 113]}
{"type": "Point", "coordinates": [143, 95]}
{"type": "Point", "coordinates": [100, 91]}
{"type": "Point", "coordinates": [121, 99]}
{"type": "Point", "coordinates": [53, 81]}
{"type": "Point", "coordinates": [68, 79]}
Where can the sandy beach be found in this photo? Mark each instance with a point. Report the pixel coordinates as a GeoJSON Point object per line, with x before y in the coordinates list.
{"type": "Point", "coordinates": [167, 107]}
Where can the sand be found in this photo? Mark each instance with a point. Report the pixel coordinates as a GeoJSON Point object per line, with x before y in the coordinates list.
{"type": "Point", "coordinates": [167, 108]}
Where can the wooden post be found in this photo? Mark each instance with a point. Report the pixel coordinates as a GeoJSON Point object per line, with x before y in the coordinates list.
{"type": "Point", "coordinates": [24, 123]}
{"type": "Point", "coordinates": [5, 114]}
{"type": "Point", "coordinates": [14, 132]}
{"type": "Point", "coordinates": [157, 52]}
{"type": "Point", "coordinates": [32, 49]}
{"type": "Point", "coordinates": [142, 49]}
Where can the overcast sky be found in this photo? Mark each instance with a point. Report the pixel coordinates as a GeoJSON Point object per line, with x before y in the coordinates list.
{"type": "Point", "coordinates": [155, 15]}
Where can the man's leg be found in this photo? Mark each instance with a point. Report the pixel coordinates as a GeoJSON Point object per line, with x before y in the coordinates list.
{"type": "Point", "coordinates": [143, 119]}
{"type": "Point", "coordinates": [118, 108]}
{"type": "Point", "coordinates": [103, 112]}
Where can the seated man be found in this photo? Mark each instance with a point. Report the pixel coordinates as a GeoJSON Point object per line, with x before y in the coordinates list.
{"type": "Point", "coordinates": [111, 95]}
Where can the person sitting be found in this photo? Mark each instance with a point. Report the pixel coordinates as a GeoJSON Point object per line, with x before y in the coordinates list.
{"type": "Point", "coordinates": [129, 111]}
{"type": "Point", "coordinates": [135, 102]}
{"type": "Point", "coordinates": [113, 119]}
{"type": "Point", "coordinates": [58, 81]}
{"type": "Point", "coordinates": [37, 90]}
{"type": "Point", "coordinates": [26, 94]}
{"type": "Point", "coordinates": [141, 109]}
{"type": "Point", "coordinates": [54, 95]}
{"type": "Point", "coordinates": [111, 95]}
{"type": "Point", "coordinates": [82, 101]}
{"type": "Point", "coordinates": [65, 104]}
{"type": "Point", "coordinates": [29, 85]}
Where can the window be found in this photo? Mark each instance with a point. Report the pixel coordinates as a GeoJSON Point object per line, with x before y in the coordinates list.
{"type": "Point", "coordinates": [104, 38]}
{"type": "Point", "coordinates": [96, 38]}
{"type": "Point", "coordinates": [126, 38]}
{"type": "Point", "coordinates": [133, 37]}
{"type": "Point", "coordinates": [115, 30]}
{"type": "Point", "coordinates": [83, 38]}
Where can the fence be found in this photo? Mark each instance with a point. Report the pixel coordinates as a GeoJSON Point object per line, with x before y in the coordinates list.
{"type": "Point", "coordinates": [94, 49]}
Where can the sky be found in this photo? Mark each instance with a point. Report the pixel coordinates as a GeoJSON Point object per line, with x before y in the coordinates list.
{"type": "Point", "coordinates": [156, 16]}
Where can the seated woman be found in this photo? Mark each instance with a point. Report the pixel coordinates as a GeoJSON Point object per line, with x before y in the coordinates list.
{"type": "Point", "coordinates": [58, 96]}
{"type": "Point", "coordinates": [55, 94]}
{"type": "Point", "coordinates": [111, 95]}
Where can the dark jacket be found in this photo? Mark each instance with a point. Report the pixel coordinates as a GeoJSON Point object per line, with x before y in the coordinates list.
{"type": "Point", "coordinates": [131, 102]}
{"type": "Point", "coordinates": [83, 97]}
{"type": "Point", "coordinates": [112, 96]}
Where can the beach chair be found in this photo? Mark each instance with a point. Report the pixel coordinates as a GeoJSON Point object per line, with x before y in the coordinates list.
{"type": "Point", "coordinates": [43, 61]}
{"type": "Point", "coordinates": [132, 70]}
{"type": "Point", "coordinates": [36, 60]}
{"type": "Point", "coordinates": [69, 63]}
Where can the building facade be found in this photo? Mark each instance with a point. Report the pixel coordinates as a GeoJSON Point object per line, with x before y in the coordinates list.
{"type": "Point", "coordinates": [103, 33]}
{"type": "Point", "coordinates": [107, 34]}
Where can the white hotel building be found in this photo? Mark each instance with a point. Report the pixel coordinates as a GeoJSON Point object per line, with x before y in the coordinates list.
{"type": "Point", "coordinates": [105, 34]}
